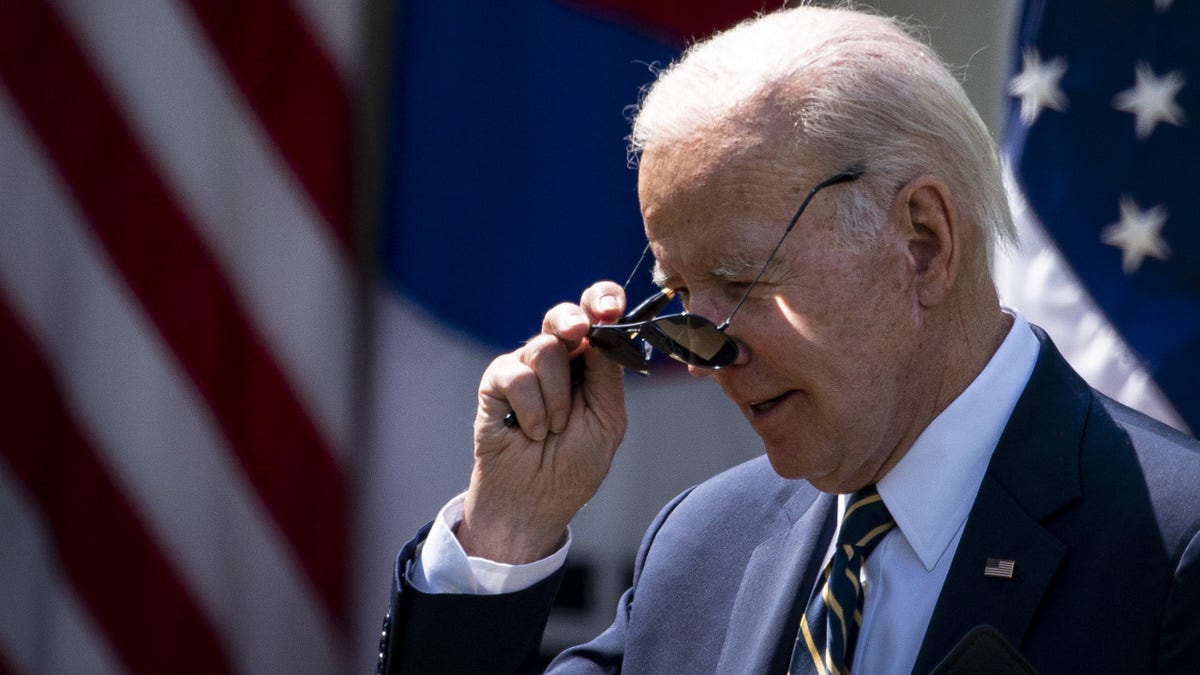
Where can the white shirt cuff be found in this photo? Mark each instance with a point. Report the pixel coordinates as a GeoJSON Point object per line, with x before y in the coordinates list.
{"type": "Point", "coordinates": [444, 567]}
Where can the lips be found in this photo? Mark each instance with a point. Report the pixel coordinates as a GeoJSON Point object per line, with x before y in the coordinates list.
{"type": "Point", "coordinates": [764, 406]}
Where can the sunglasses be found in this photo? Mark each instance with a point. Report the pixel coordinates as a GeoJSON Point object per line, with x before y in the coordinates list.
{"type": "Point", "coordinates": [688, 338]}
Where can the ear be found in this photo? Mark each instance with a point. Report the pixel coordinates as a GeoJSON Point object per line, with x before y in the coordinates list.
{"type": "Point", "coordinates": [928, 222]}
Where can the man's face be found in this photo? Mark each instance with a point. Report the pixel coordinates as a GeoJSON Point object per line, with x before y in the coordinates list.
{"type": "Point", "coordinates": [831, 355]}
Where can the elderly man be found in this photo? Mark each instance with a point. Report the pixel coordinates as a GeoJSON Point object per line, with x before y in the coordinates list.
{"type": "Point", "coordinates": [816, 182]}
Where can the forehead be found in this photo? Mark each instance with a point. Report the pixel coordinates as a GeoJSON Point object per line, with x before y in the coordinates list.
{"type": "Point", "coordinates": [717, 206]}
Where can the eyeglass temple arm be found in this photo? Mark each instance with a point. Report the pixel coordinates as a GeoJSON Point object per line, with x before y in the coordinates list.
{"type": "Point", "coordinates": [850, 174]}
{"type": "Point", "coordinates": [638, 266]}
{"type": "Point", "coordinates": [650, 307]}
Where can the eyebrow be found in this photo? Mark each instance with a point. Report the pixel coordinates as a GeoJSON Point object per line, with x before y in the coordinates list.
{"type": "Point", "coordinates": [658, 275]}
{"type": "Point", "coordinates": [733, 268]}
{"type": "Point", "coordinates": [736, 267]}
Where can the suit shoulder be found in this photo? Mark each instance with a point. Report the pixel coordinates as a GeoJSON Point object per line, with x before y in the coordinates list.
{"type": "Point", "coordinates": [1168, 458]}
{"type": "Point", "coordinates": [745, 496]}
{"type": "Point", "coordinates": [752, 480]}
{"type": "Point", "coordinates": [1167, 469]}
{"type": "Point", "coordinates": [1145, 431]}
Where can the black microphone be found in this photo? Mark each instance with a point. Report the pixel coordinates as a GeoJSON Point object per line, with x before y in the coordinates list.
{"type": "Point", "coordinates": [984, 651]}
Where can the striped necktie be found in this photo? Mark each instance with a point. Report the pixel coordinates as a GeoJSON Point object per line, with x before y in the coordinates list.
{"type": "Point", "coordinates": [829, 627]}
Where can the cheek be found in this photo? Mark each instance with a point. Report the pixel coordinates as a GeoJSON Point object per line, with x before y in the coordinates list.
{"type": "Point", "coordinates": [844, 319]}
{"type": "Point", "coordinates": [881, 299]}
{"type": "Point", "coordinates": [857, 328]}
{"type": "Point", "coordinates": [800, 323]}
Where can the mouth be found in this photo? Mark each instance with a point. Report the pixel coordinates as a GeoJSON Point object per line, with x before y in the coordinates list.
{"type": "Point", "coordinates": [761, 407]}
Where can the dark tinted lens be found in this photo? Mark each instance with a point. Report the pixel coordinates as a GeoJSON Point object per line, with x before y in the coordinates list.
{"type": "Point", "coordinates": [692, 339]}
{"type": "Point", "coordinates": [619, 346]}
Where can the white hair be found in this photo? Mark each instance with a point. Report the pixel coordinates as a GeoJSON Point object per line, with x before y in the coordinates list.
{"type": "Point", "coordinates": [859, 90]}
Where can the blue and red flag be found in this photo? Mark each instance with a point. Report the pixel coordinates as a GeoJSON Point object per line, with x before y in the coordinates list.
{"type": "Point", "coordinates": [508, 190]}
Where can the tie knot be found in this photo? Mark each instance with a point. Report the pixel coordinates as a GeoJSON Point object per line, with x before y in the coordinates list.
{"type": "Point", "coordinates": [866, 521]}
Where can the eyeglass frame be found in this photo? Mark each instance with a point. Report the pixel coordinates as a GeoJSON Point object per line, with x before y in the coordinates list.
{"type": "Point", "coordinates": [633, 324]}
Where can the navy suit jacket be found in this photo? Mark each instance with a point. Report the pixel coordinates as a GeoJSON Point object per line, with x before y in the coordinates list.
{"type": "Point", "coordinates": [1098, 506]}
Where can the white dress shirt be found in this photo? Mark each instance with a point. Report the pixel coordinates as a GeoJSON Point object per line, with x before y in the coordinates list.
{"type": "Point", "coordinates": [929, 492]}
{"type": "Point", "coordinates": [444, 567]}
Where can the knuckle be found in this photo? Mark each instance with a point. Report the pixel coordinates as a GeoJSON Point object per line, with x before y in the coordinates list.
{"type": "Point", "coordinates": [603, 288]}
{"type": "Point", "coordinates": [538, 347]}
{"type": "Point", "coordinates": [563, 312]}
{"type": "Point", "coordinates": [548, 358]}
{"type": "Point", "coordinates": [502, 368]}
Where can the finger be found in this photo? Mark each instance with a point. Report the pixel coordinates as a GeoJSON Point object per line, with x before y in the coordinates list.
{"type": "Point", "coordinates": [604, 302]}
{"type": "Point", "coordinates": [548, 357]}
{"type": "Point", "coordinates": [602, 373]}
{"type": "Point", "coordinates": [604, 391]}
{"type": "Point", "coordinates": [510, 385]}
{"type": "Point", "coordinates": [567, 322]}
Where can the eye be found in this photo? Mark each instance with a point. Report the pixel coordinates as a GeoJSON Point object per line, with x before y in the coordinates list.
{"type": "Point", "coordinates": [682, 296]}
{"type": "Point", "coordinates": [734, 290]}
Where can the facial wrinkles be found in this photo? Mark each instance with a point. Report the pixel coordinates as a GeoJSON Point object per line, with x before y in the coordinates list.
{"type": "Point", "coordinates": [716, 287]}
{"type": "Point", "coordinates": [736, 269]}
{"type": "Point", "coordinates": [708, 229]}
{"type": "Point", "coordinates": [717, 232]}
{"type": "Point", "coordinates": [715, 215]}
{"type": "Point", "coordinates": [733, 269]}
{"type": "Point", "coordinates": [878, 368]}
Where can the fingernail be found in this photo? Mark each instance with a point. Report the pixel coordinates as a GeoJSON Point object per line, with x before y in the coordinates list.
{"type": "Point", "coordinates": [608, 302]}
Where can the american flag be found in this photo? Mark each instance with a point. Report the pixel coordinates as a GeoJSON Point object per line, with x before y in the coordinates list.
{"type": "Point", "coordinates": [1104, 142]}
{"type": "Point", "coordinates": [999, 568]}
{"type": "Point", "coordinates": [184, 481]}
{"type": "Point", "coordinates": [177, 299]}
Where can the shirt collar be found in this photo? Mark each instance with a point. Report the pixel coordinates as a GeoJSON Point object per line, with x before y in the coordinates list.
{"type": "Point", "coordinates": [931, 489]}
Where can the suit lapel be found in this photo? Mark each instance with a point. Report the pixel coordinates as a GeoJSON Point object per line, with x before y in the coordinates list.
{"type": "Point", "coordinates": [1034, 472]}
{"type": "Point", "coordinates": [969, 598]}
{"type": "Point", "coordinates": [779, 569]}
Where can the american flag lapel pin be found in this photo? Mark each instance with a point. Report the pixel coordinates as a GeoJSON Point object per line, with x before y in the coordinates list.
{"type": "Point", "coordinates": [999, 568]}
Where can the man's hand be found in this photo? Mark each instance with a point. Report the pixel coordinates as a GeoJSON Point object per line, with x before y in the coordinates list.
{"type": "Point", "coordinates": [528, 482]}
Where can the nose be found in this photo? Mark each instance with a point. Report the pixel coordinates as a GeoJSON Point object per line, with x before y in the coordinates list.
{"type": "Point", "coordinates": [708, 307]}
{"type": "Point", "coordinates": [743, 357]}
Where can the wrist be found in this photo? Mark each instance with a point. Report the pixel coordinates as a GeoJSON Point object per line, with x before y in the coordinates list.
{"type": "Point", "coordinates": [442, 566]}
{"type": "Point", "coordinates": [507, 544]}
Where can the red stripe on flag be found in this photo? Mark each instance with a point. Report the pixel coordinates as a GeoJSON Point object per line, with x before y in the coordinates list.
{"type": "Point", "coordinates": [175, 277]}
{"type": "Point", "coordinates": [121, 575]}
{"type": "Point", "coordinates": [295, 91]}
{"type": "Point", "coordinates": [679, 22]}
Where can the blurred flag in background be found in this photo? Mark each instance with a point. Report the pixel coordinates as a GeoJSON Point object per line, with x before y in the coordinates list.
{"type": "Point", "coordinates": [177, 326]}
{"type": "Point", "coordinates": [1103, 141]}
{"type": "Point", "coordinates": [181, 326]}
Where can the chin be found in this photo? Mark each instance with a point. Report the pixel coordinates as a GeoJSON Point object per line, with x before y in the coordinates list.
{"type": "Point", "coordinates": [789, 464]}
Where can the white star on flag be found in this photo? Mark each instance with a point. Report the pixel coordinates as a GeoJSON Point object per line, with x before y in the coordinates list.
{"type": "Point", "coordinates": [1138, 234]}
{"type": "Point", "coordinates": [1162, 5]}
{"type": "Point", "coordinates": [1038, 85]}
{"type": "Point", "coordinates": [1152, 99]}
